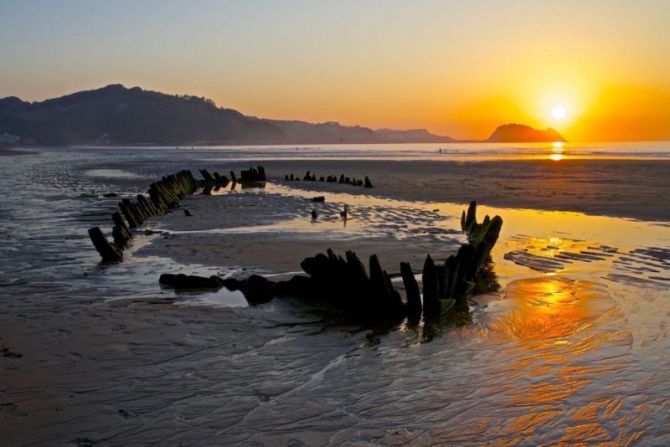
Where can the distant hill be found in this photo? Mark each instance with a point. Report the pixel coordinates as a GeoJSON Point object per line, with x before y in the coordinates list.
{"type": "Point", "coordinates": [520, 133]}
{"type": "Point", "coordinates": [118, 115]}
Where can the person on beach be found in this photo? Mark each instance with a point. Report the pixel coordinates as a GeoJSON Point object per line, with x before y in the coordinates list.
{"type": "Point", "coordinates": [345, 213]}
{"type": "Point", "coordinates": [314, 215]}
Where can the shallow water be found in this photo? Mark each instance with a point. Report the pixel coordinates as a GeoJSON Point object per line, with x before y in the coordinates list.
{"type": "Point", "coordinates": [573, 349]}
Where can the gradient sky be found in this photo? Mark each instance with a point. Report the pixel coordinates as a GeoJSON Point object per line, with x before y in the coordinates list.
{"type": "Point", "coordinates": [455, 67]}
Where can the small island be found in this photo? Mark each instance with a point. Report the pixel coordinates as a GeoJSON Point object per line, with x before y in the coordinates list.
{"type": "Point", "coordinates": [520, 133]}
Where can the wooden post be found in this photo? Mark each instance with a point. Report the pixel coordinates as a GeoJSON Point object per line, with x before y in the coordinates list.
{"type": "Point", "coordinates": [108, 251]}
{"type": "Point", "coordinates": [431, 306]}
{"type": "Point", "coordinates": [412, 290]}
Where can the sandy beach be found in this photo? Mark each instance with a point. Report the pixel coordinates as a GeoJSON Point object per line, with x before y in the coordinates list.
{"type": "Point", "coordinates": [623, 188]}
{"type": "Point", "coordinates": [102, 355]}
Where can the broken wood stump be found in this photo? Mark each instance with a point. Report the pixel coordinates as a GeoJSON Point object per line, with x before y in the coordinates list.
{"type": "Point", "coordinates": [184, 282]}
{"type": "Point", "coordinates": [107, 250]}
{"type": "Point", "coordinates": [344, 283]}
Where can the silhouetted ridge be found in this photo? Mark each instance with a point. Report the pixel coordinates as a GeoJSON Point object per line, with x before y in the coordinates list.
{"type": "Point", "coordinates": [118, 115]}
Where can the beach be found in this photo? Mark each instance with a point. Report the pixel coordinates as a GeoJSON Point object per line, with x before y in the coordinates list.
{"type": "Point", "coordinates": [611, 187]}
{"type": "Point", "coordinates": [570, 347]}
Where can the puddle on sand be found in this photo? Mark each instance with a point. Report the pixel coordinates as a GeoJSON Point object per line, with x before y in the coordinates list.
{"type": "Point", "coordinates": [559, 340]}
{"type": "Point", "coordinates": [219, 298]}
{"type": "Point", "coordinates": [549, 310]}
{"type": "Point", "coordinates": [113, 173]}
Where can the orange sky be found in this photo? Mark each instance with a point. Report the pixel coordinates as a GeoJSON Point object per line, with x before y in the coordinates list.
{"type": "Point", "coordinates": [456, 68]}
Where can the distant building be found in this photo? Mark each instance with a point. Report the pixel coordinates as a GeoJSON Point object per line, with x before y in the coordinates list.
{"type": "Point", "coordinates": [8, 138]}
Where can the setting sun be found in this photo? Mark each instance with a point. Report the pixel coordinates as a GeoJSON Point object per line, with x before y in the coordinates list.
{"type": "Point", "coordinates": [559, 112]}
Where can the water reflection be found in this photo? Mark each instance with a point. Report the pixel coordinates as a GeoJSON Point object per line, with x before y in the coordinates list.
{"type": "Point", "coordinates": [557, 151]}
{"type": "Point", "coordinates": [549, 309]}
{"type": "Point", "coordinates": [561, 337]}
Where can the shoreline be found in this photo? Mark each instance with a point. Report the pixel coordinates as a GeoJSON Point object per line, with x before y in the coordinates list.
{"type": "Point", "coordinates": [12, 151]}
{"type": "Point", "coordinates": [632, 189]}
{"type": "Point", "coordinates": [202, 145]}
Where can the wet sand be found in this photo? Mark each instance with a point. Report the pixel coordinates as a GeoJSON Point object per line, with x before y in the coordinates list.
{"type": "Point", "coordinates": [572, 349]}
{"type": "Point", "coordinates": [638, 189]}
{"type": "Point", "coordinates": [270, 229]}
{"type": "Point", "coordinates": [8, 152]}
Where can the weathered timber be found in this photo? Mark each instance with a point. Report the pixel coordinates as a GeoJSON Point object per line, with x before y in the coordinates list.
{"type": "Point", "coordinates": [253, 175]}
{"type": "Point", "coordinates": [462, 282]}
{"type": "Point", "coordinates": [120, 238]}
{"type": "Point", "coordinates": [182, 281]}
{"type": "Point", "coordinates": [108, 251]}
{"type": "Point", "coordinates": [312, 177]}
{"type": "Point", "coordinates": [388, 301]}
{"type": "Point", "coordinates": [431, 305]}
{"type": "Point", "coordinates": [210, 182]}
{"type": "Point", "coordinates": [146, 206]}
{"type": "Point", "coordinates": [469, 219]}
{"type": "Point", "coordinates": [413, 300]}
{"type": "Point", "coordinates": [163, 195]}
{"type": "Point", "coordinates": [133, 219]}
{"type": "Point", "coordinates": [256, 289]}
{"type": "Point", "coordinates": [119, 222]}
{"type": "Point", "coordinates": [120, 232]}
{"type": "Point", "coordinates": [344, 282]}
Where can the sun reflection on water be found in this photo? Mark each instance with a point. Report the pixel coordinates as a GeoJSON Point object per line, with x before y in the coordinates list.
{"type": "Point", "coordinates": [547, 308]}
{"type": "Point", "coordinates": [557, 151]}
{"type": "Point", "coordinates": [550, 326]}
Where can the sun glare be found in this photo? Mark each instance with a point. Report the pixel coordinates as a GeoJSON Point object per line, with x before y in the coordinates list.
{"type": "Point", "coordinates": [559, 112]}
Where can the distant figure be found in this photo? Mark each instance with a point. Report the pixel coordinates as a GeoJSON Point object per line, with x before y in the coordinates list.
{"type": "Point", "coordinates": [345, 213]}
{"type": "Point", "coordinates": [187, 213]}
{"type": "Point", "coordinates": [314, 215]}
